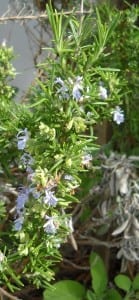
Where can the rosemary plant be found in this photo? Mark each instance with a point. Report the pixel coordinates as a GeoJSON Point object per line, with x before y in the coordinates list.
{"type": "Point", "coordinates": [47, 142]}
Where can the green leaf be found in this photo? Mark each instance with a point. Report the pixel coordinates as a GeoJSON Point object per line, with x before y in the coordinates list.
{"type": "Point", "coordinates": [135, 283]}
{"type": "Point", "coordinates": [65, 290]}
{"type": "Point", "coordinates": [123, 282]}
{"type": "Point", "coordinates": [99, 274]}
{"type": "Point", "coordinates": [90, 295]}
{"type": "Point", "coordinates": [112, 294]}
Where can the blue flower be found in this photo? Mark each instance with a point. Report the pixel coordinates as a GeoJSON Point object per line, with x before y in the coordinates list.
{"type": "Point", "coordinates": [76, 93]}
{"type": "Point", "coordinates": [63, 90]}
{"type": "Point", "coordinates": [86, 159]}
{"type": "Point", "coordinates": [59, 80]}
{"type": "Point", "coordinates": [68, 177]}
{"type": "Point", "coordinates": [26, 159]}
{"type": "Point", "coordinates": [118, 115]}
{"type": "Point", "coordinates": [22, 199]}
{"type": "Point", "coordinates": [50, 198]}
{"type": "Point", "coordinates": [22, 138]}
{"type": "Point", "coordinates": [77, 89]}
{"type": "Point", "coordinates": [103, 92]}
{"type": "Point", "coordinates": [18, 223]}
{"type": "Point", "coordinates": [49, 226]}
{"type": "Point", "coordinates": [36, 194]}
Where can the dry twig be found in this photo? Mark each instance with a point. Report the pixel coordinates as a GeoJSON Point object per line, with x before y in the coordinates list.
{"type": "Point", "coordinates": [37, 17]}
{"type": "Point", "coordinates": [8, 295]}
{"type": "Point", "coordinates": [76, 266]}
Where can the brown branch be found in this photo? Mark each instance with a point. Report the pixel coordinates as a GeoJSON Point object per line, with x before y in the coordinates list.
{"type": "Point", "coordinates": [8, 295]}
{"type": "Point", "coordinates": [76, 266]}
{"type": "Point", "coordinates": [95, 242]}
{"type": "Point", "coordinates": [37, 17]}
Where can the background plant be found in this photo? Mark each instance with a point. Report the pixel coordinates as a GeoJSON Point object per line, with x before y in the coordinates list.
{"type": "Point", "coordinates": [100, 289]}
{"type": "Point", "coordinates": [122, 52]}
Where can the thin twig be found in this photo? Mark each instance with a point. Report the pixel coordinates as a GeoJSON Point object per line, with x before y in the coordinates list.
{"type": "Point", "coordinates": [8, 295]}
{"type": "Point", "coordinates": [75, 266]}
{"type": "Point", "coordinates": [42, 16]}
{"type": "Point", "coordinates": [96, 242]}
{"type": "Point", "coordinates": [73, 242]}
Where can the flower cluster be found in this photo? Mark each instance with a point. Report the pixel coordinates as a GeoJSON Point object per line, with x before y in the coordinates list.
{"type": "Point", "coordinates": [103, 92]}
{"type": "Point", "coordinates": [22, 138]}
{"type": "Point", "coordinates": [46, 195]}
{"type": "Point", "coordinates": [76, 86]}
{"type": "Point", "coordinates": [50, 225]}
{"type": "Point", "coordinates": [21, 200]}
{"type": "Point", "coordinates": [86, 159]}
{"type": "Point", "coordinates": [63, 90]}
{"type": "Point", "coordinates": [118, 115]}
{"type": "Point", "coordinates": [49, 198]}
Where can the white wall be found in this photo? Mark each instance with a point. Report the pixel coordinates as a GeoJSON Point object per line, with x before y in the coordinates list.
{"type": "Point", "coordinates": [15, 35]}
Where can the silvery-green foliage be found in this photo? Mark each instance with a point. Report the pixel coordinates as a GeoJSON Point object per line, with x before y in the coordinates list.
{"type": "Point", "coordinates": [120, 207]}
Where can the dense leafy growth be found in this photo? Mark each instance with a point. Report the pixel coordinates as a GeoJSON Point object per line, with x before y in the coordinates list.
{"type": "Point", "coordinates": [47, 143]}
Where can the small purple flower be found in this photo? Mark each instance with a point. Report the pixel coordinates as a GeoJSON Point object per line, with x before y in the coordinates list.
{"type": "Point", "coordinates": [30, 172]}
{"type": "Point", "coordinates": [77, 89]}
{"type": "Point", "coordinates": [86, 159]}
{"type": "Point", "coordinates": [36, 194]}
{"type": "Point", "coordinates": [22, 138]}
{"type": "Point", "coordinates": [18, 223]}
{"type": "Point", "coordinates": [103, 92]}
{"type": "Point", "coordinates": [68, 177]}
{"type": "Point", "coordinates": [76, 93]}
{"type": "Point", "coordinates": [59, 80]}
{"type": "Point", "coordinates": [26, 159]}
{"type": "Point", "coordinates": [21, 199]}
{"type": "Point", "coordinates": [50, 198]}
{"type": "Point", "coordinates": [118, 115]}
{"type": "Point", "coordinates": [49, 226]}
{"type": "Point", "coordinates": [63, 90]}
